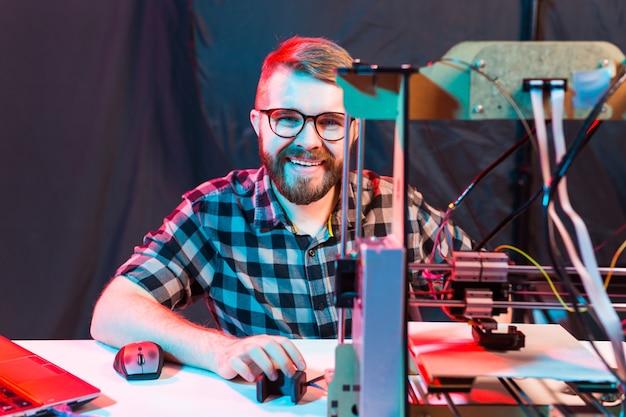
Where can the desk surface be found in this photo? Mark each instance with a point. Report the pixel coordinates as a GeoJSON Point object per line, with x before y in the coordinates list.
{"type": "Point", "coordinates": [180, 391]}
{"type": "Point", "coordinates": [183, 390]}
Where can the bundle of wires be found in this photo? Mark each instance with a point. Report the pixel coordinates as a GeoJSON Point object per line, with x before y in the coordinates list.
{"type": "Point", "coordinates": [550, 189]}
{"type": "Point", "coordinates": [556, 184]}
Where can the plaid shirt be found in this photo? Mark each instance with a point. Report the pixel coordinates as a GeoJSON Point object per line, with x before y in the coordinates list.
{"type": "Point", "coordinates": [231, 241]}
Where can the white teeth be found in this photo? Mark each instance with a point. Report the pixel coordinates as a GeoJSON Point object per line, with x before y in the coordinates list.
{"type": "Point", "coordinates": [305, 163]}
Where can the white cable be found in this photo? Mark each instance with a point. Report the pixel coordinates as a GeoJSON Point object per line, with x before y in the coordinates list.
{"type": "Point", "coordinates": [593, 283]}
{"type": "Point", "coordinates": [590, 274]}
{"type": "Point", "coordinates": [536, 96]}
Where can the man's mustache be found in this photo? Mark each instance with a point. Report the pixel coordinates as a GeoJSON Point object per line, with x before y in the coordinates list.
{"type": "Point", "coordinates": [301, 154]}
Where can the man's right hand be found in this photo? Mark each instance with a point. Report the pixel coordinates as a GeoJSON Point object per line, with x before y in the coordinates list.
{"type": "Point", "coordinates": [252, 356]}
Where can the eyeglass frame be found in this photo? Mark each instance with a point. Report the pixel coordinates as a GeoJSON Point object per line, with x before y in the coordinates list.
{"type": "Point", "coordinates": [305, 118]}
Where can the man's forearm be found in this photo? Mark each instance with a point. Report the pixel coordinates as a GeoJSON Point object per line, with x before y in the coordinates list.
{"type": "Point", "coordinates": [124, 314]}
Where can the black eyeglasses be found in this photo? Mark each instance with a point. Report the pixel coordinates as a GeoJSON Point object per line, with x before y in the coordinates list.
{"type": "Point", "coordinates": [288, 123]}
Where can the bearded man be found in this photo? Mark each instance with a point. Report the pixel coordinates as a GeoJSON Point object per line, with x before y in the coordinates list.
{"type": "Point", "coordinates": [259, 245]}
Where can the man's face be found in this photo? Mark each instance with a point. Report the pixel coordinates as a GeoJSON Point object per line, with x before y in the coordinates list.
{"type": "Point", "coordinates": [305, 168]}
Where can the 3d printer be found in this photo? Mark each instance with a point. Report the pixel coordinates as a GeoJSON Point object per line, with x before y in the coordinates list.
{"type": "Point", "coordinates": [372, 372]}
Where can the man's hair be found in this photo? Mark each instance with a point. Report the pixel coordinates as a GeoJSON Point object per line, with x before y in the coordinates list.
{"type": "Point", "coordinates": [317, 57]}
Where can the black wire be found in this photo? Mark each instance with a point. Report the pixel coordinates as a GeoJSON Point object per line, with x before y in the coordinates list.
{"type": "Point", "coordinates": [508, 219]}
{"type": "Point", "coordinates": [446, 167]}
{"type": "Point", "coordinates": [482, 175]}
{"type": "Point", "coordinates": [317, 378]}
{"type": "Point", "coordinates": [490, 168]}
{"type": "Point", "coordinates": [529, 133]}
{"type": "Point", "coordinates": [313, 383]}
{"type": "Point", "coordinates": [524, 206]}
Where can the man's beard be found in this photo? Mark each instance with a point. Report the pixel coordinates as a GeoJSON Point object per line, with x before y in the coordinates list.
{"type": "Point", "coordinates": [300, 190]}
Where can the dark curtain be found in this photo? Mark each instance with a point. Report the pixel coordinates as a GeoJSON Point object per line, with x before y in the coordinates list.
{"type": "Point", "coordinates": [110, 110]}
{"type": "Point", "coordinates": [101, 134]}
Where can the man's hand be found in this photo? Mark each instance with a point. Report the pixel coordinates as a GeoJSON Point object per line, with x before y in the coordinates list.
{"type": "Point", "coordinates": [252, 356]}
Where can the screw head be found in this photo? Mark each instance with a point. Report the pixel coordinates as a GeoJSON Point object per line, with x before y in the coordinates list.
{"type": "Point", "coordinates": [479, 63]}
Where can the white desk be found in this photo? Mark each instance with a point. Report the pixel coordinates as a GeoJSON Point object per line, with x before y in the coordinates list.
{"type": "Point", "coordinates": [180, 391]}
{"type": "Point", "coordinates": [446, 347]}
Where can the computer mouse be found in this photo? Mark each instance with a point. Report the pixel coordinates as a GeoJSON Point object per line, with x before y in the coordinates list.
{"type": "Point", "coordinates": [139, 361]}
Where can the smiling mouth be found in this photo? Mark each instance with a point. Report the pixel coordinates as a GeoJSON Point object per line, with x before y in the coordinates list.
{"type": "Point", "coordinates": [305, 163]}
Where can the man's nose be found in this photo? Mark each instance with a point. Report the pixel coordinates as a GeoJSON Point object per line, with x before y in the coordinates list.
{"type": "Point", "coordinates": [308, 137]}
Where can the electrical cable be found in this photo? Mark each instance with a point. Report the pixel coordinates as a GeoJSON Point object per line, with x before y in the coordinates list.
{"type": "Point", "coordinates": [536, 95]}
{"type": "Point", "coordinates": [433, 277]}
{"type": "Point", "coordinates": [552, 219]}
{"type": "Point", "coordinates": [582, 138]}
{"type": "Point", "coordinates": [543, 272]}
{"type": "Point", "coordinates": [619, 251]}
{"type": "Point", "coordinates": [453, 205]}
{"type": "Point", "coordinates": [615, 233]}
{"type": "Point", "coordinates": [508, 219]}
{"type": "Point", "coordinates": [447, 169]}
{"type": "Point", "coordinates": [591, 278]}
{"type": "Point", "coordinates": [496, 83]}
{"type": "Point", "coordinates": [588, 133]}
{"type": "Point", "coordinates": [563, 161]}
{"type": "Point", "coordinates": [522, 208]}
{"type": "Point", "coordinates": [560, 170]}
{"type": "Point", "coordinates": [313, 383]}
{"type": "Point", "coordinates": [588, 271]}
{"type": "Point", "coordinates": [529, 135]}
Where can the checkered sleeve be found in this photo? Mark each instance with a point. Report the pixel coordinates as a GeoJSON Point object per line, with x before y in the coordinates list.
{"type": "Point", "coordinates": [167, 261]}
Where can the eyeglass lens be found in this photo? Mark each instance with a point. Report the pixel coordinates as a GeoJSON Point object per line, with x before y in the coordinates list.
{"type": "Point", "coordinates": [289, 123]}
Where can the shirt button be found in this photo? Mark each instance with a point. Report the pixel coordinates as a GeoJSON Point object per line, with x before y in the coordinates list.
{"type": "Point", "coordinates": [312, 253]}
{"type": "Point", "coordinates": [321, 305]}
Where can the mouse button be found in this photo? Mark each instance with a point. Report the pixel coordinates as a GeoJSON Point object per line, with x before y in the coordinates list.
{"type": "Point", "coordinates": [133, 368]}
{"type": "Point", "coordinates": [118, 363]}
{"type": "Point", "coordinates": [151, 365]}
{"type": "Point", "coordinates": [152, 349]}
{"type": "Point", "coordinates": [132, 364]}
{"type": "Point", "coordinates": [152, 353]}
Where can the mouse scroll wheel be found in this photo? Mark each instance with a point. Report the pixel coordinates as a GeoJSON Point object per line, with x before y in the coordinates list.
{"type": "Point", "coordinates": [141, 359]}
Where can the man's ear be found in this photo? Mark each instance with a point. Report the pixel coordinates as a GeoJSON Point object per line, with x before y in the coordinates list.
{"type": "Point", "coordinates": [255, 120]}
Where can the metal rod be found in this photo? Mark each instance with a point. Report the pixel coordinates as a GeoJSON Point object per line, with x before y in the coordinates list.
{"type": "Point", "coordinates": [345, 183]}
{"type": "Point", "coordinates": [522, 399]}
{"type": "Point", "coordinates": [451, 405]}
{"type": "Point", "coordinates": [341, 331]}
{"type": "Point", "coordinates": [517, 269]}
{"type": "Point", "coordinates": [593, 402]}
{"type": "Point", "coordinates": [359, 170]}
{"type": "Point", "coordinates": [538, 305]}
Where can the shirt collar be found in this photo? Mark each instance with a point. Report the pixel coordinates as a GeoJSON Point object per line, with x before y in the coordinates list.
{"type": "Point", "coordinates": [268, 213]}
